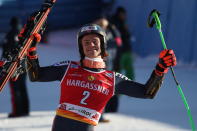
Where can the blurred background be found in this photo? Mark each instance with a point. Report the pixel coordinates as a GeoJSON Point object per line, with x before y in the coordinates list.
{"type": "Point", "coordinates": [178, 19]}
{"type": "Point", "coordinates": [165, 112]}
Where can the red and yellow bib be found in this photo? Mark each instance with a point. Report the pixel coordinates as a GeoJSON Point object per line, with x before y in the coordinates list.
{"type": "Point", "coordinates": [84, 93]}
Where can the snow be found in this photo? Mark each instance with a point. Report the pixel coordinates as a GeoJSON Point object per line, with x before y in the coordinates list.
{"type": "Point", "coordinates": [164, 113]}
{"type": "Point", "coordinates": [42, 120]}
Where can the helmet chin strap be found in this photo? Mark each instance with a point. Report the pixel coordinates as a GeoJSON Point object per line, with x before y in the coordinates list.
{"type": "Point", "coordinates": [94, 63]}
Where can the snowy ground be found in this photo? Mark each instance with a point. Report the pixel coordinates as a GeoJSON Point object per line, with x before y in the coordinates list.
{"type": "Point", "coordinates": [164, 113]}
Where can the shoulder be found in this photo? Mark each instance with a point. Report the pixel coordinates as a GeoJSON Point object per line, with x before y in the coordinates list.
{"type": "Point", "coordinates": [62, 63]}
{"type": "Point", "coordinates": [109, 74]}
{"type": "Point", "coordinates": [65, 63]}
{"type": "Point", "coordinates": [121, 76]}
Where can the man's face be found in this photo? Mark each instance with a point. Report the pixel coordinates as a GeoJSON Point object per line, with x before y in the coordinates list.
{"type": "Point", "coordinates": [91, 46]}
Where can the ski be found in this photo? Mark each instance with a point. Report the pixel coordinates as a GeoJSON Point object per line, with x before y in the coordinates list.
{"type": "Point", "coordinates": [11, 67]}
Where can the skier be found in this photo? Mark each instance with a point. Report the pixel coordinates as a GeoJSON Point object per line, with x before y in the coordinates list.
{"type": "Point", "coordinates": [18, 89]}
{"type": "Point", "coordinates": [86, 86]}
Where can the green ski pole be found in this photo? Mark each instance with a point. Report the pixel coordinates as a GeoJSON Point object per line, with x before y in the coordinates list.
{"type": "Point", "coordinates": [155, 14]}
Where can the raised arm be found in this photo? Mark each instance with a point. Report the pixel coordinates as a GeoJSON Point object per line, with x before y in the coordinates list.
{"type": "Point", "coordinates": [150, 89]}
{"type": "Point", "coordinates": [44, 74]}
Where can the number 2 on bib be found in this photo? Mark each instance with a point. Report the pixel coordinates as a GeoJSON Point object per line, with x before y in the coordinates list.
{"type": "Point", "coordinates": [86, 95]}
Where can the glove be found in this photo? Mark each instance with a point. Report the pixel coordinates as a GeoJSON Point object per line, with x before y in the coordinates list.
{"type": "Point", "coordinates": [167, 58]}
{"type": "Point", "coordinates": [31, 52]}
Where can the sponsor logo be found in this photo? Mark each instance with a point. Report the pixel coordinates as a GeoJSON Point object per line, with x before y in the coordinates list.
{"type": "Point", "coordinates": [75, 75]}
{"type": "Point", "coordinates": [86, 112]}
{"type": "Point", "coordinates": [89, 28]}
{"type": "Point", "coordinates": [91, 78]}
{"type": "Point", "coordinates": [73, 108]}
{"type": "Point", "coordinates": [61, 63]}
{"type": "Point", "coordinates": [122, 76]}
{"type": "Point", "coordinates": [74, 66]}
{"type": "Point", "coordinates": [96, 116]}
{"type": "Point", "coordinates": [109, 75]}
{"type": "Point", "coordinates": [62, 106]}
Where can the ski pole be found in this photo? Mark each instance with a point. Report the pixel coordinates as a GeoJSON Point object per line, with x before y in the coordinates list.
{"type": "Point", "coordinates": [155, 14]}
